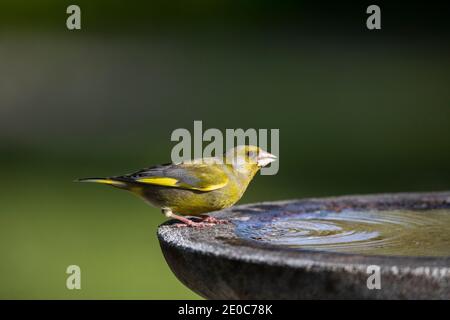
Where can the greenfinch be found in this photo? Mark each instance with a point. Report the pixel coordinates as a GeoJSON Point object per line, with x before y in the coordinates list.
{"type": "Point", "coordinates": [195, 187]}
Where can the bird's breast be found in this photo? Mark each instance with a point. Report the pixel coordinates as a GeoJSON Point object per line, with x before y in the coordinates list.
{"type": "Point", "coordinates": [191, 202]}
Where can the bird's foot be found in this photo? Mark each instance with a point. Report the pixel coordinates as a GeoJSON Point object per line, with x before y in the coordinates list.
{"type": "Point", "coordinates": [193, 224]}
{"type": "Point", "coordinates": [206, 221]}
{"type": "Point", "coordinates": [209, 219]}
{"type": "Point", "coordinates": [185, 222]}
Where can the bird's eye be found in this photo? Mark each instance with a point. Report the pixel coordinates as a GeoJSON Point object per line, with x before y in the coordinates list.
{"type": "Point", "coordinates": [250, 154]}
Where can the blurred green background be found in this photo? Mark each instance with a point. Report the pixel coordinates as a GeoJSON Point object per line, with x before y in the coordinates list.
{"type": "Point", "coordinates": [358, 112]}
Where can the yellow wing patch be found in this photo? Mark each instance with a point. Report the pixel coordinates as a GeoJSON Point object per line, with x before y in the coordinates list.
{"type": "Point", "coordinates": [161, 181]}
{"type": "Point", "coordinates": [172, 182]}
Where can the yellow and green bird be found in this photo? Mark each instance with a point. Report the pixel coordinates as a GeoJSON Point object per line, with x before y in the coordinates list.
{"type": "Point", "coordinates": [196, 187]}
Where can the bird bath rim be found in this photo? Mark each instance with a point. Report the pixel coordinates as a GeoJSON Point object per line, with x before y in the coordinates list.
{"type": "Point", "coordinates": [221, 241]}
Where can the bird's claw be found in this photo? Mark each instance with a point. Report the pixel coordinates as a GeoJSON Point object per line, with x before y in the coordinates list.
{"type": "Point", "coordinates": [193, 224]}
{"type": "Point", "coordinates": [209, 219]}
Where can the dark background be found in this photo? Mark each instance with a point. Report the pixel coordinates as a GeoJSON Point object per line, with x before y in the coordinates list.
{"type": "Point", "coordinates": [359, 111]}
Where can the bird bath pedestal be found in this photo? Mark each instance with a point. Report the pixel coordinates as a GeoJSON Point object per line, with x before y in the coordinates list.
{"type": "Point", "coordinates": [226, 262]}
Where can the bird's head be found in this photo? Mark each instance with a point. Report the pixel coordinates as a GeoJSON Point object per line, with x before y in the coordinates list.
{"type": "Point", "coordinates": [248, 158]}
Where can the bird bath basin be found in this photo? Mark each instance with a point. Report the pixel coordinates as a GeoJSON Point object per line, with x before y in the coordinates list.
{"type": "Point", "coordinates": [319, 249]}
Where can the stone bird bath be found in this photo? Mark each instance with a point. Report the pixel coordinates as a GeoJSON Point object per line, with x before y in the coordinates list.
{"type": "Point", "coordinates": [301, 249]}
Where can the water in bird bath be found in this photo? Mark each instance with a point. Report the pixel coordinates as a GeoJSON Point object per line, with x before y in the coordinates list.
{"type": "Point", "coordinates": [395, 232]}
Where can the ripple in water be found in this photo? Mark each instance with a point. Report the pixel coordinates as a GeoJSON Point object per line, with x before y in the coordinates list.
{"type": "Point", "coordinates": [398, 232]}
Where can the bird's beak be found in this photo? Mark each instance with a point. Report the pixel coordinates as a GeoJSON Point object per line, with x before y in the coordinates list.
{"type": "Point", "coordinates": [264, 158]}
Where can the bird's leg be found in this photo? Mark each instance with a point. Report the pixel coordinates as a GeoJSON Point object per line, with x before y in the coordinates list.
{"type": "Point", "coordinates": [188, 223]}
{"type": "Point", "coordinates": [209, 219]}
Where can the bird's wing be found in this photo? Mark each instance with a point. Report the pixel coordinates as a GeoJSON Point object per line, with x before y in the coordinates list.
{"type": "Point", "coordinates": [191, 176]}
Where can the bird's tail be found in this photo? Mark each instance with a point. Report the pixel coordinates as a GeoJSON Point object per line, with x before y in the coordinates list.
{"type": "Point", "coordinates": [110, 181]}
